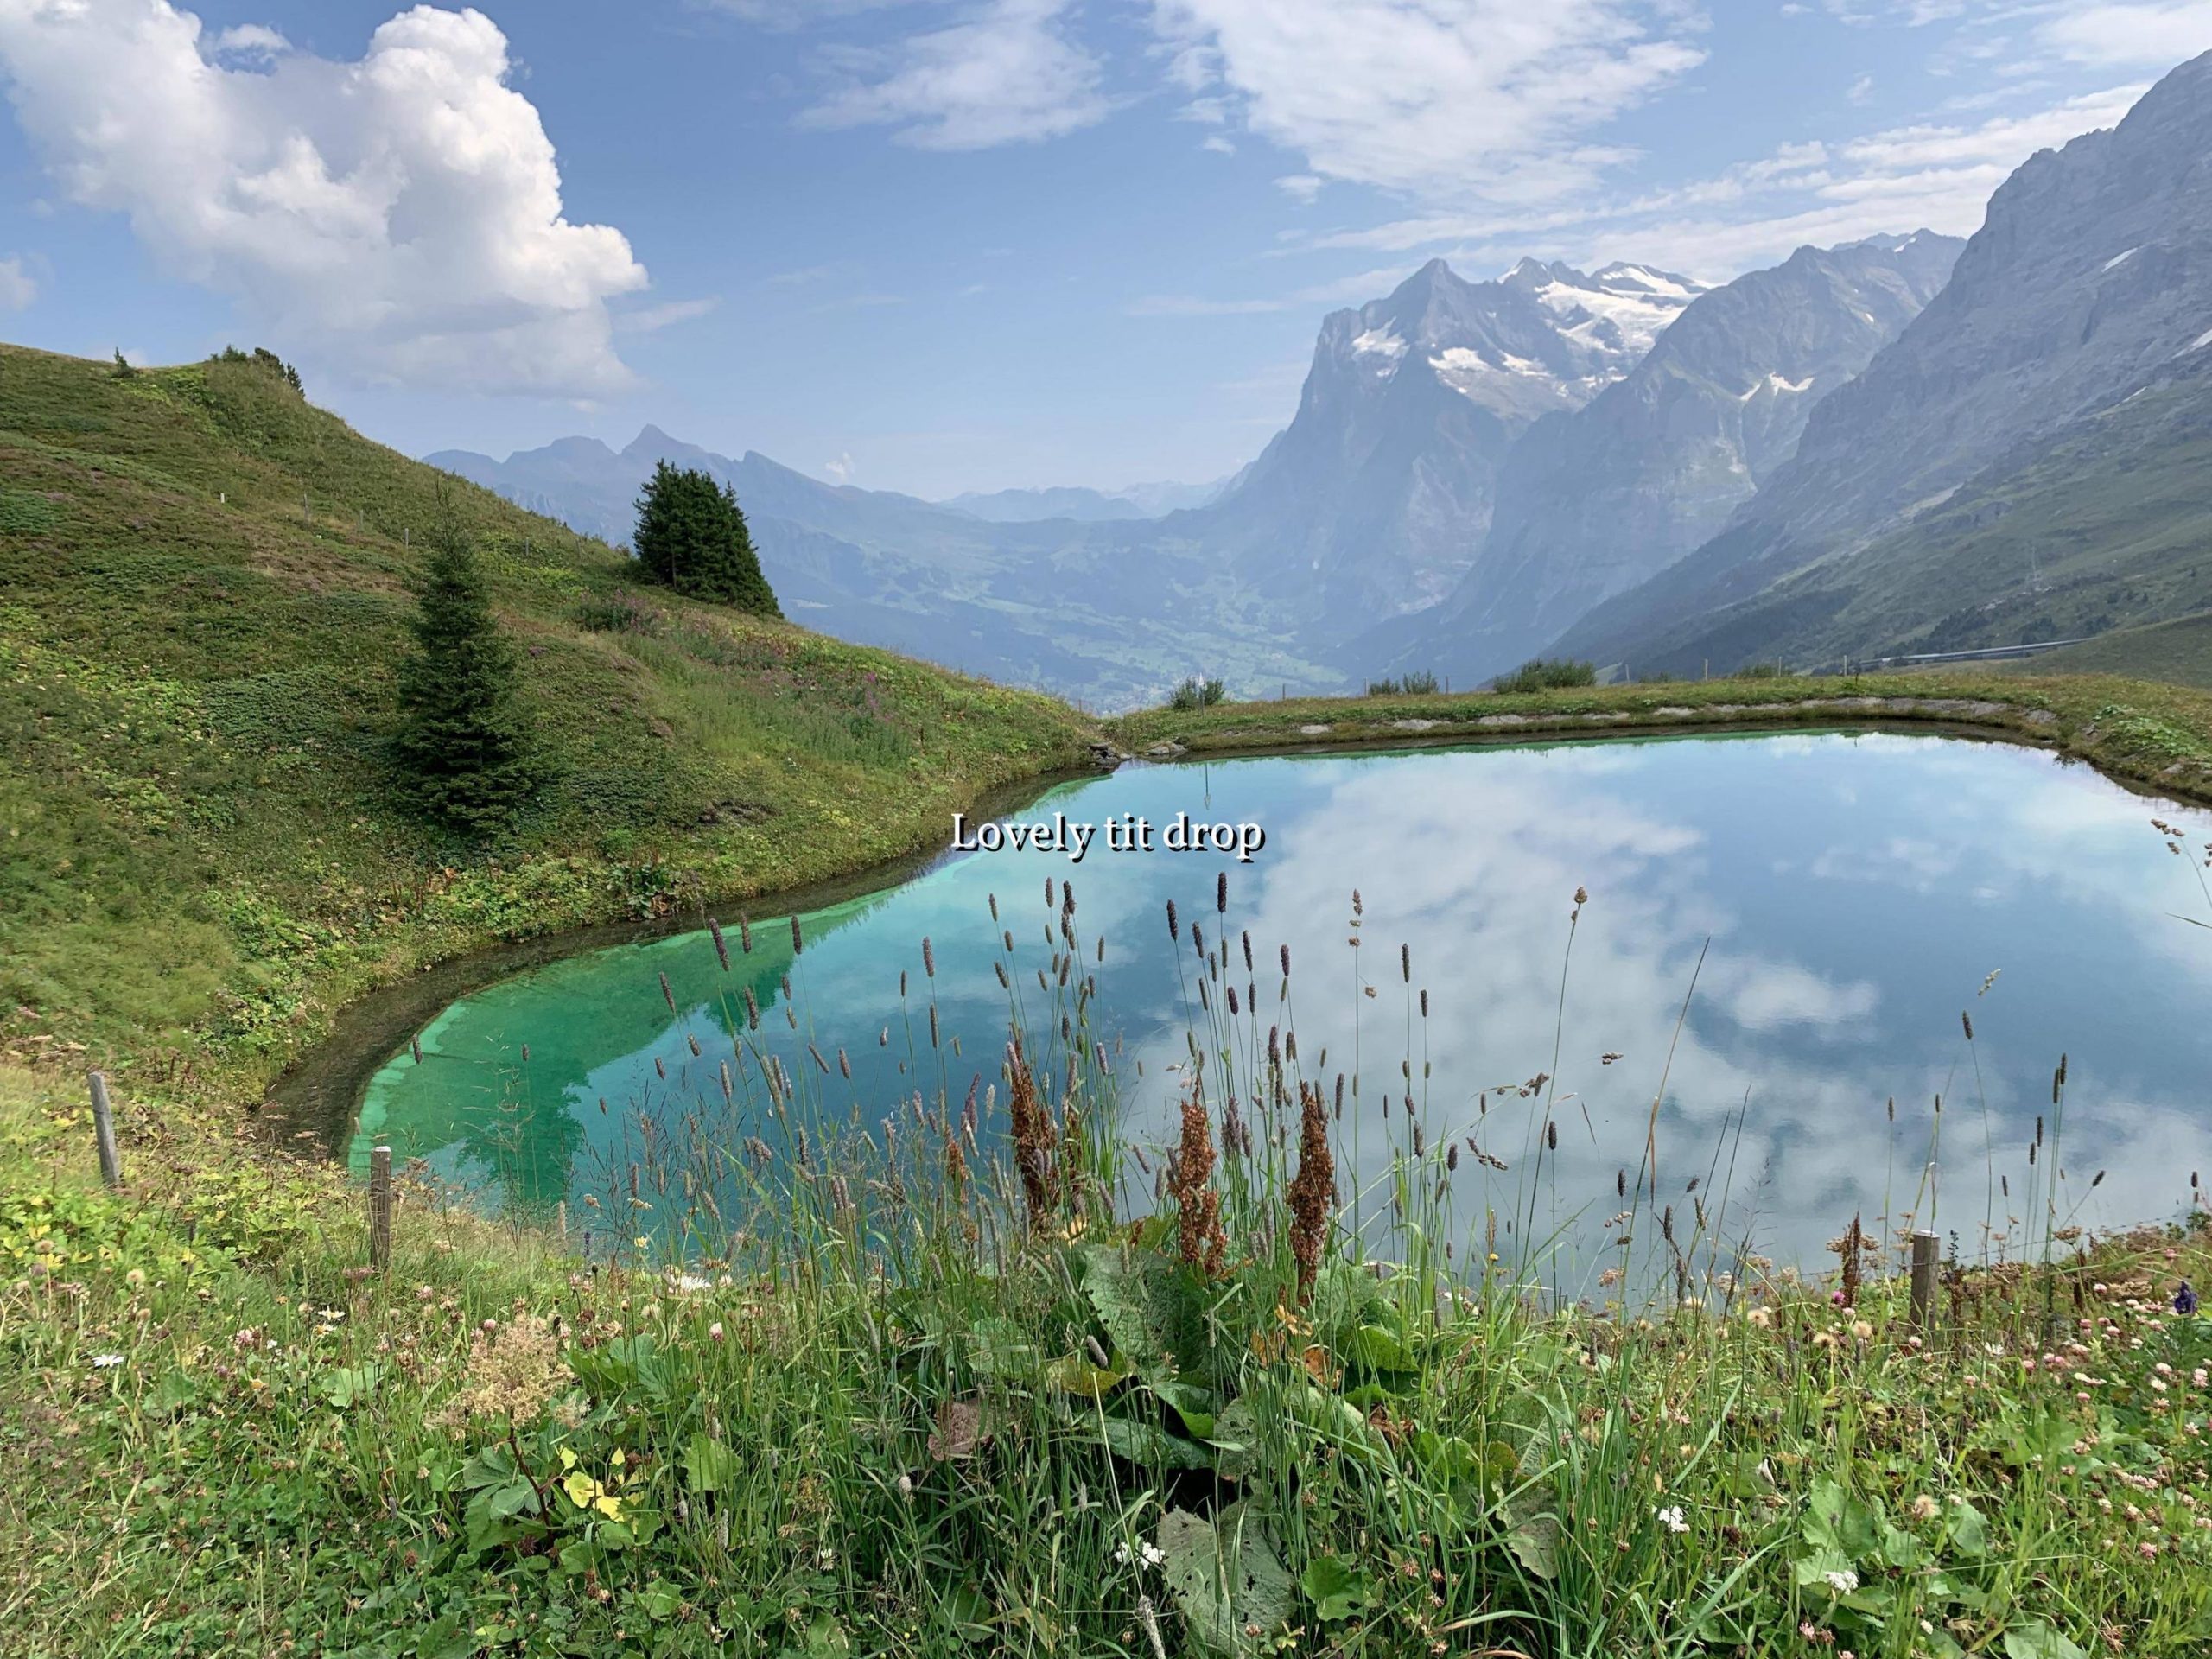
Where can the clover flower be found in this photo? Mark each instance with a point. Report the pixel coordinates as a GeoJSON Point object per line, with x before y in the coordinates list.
{"type": "Point", "coordinates": [1671, 1518]}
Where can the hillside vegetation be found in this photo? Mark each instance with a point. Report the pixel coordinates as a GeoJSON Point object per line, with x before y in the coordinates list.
{"type": "Point", "coordinates": [204, 587]}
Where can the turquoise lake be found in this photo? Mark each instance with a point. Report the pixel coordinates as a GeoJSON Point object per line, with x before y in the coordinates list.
{"type": "Point", "coordinates": [1840, 900]}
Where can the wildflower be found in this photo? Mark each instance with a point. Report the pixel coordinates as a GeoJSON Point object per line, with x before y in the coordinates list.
{"type": "Point", "coordinates": [2184, 1300]}
{"type": "Point", "coordinates": [1146, 1554]}
{"type": "Point", "coordinates": [1671, 1518]}
{"type": "Point", "coordinates": [1923, 1508]}
{"type": "Point", "coordinates": [106, 1361]}
{"type": "Point", "coordinates": [513, 1374]}
{"type": "Point", "coordinates": [714, 1332]}
{"type": "Point", "coordinates": [1843, 1582]}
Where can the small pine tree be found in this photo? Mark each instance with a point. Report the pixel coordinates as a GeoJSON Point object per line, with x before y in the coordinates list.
{"type": "Point", "coordinates": [122, 368]}
{"type": "Point", "coordinates": [692, 536]}
{"type": "Point", "coordinates": [463, 745]}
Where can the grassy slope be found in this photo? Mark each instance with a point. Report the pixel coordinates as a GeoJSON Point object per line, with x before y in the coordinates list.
{"type": "Point", "coordinates": [203, 590]}
{"type": "Point", "coordinates": [2146, 733]}
{"type": "Point", "coordinates": [2178, 652]}
{"type": "Point", "coordinates": [2105, 525]}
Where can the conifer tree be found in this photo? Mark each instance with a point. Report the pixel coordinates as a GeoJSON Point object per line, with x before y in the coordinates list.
{"type": "Point", "coordinates": [463, 746]}
{"type": "Point", "coordinates": [692, 536]}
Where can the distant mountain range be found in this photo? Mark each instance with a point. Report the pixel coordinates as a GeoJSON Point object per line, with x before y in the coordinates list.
{"type": "Point", "coordinates": [1905, 443]}
{"type": "Point", "coordinates": [1087, 507]}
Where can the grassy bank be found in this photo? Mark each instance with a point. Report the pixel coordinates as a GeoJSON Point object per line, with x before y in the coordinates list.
{"type": "Point", "coordinates": [2156, 735]}
{"type": "Point", "coordinates": [204, 587]}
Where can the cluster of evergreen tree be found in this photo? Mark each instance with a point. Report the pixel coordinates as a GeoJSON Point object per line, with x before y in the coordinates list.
{"type": "Point", "coordinates": [692, 536]}
{"type": "Point", "coordinates": [463, 749]}
{"type": "Point", "coordinates": [260, 356]}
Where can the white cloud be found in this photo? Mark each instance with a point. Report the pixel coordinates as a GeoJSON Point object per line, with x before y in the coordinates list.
{"type": "Point", "coordinates": [1008, 73]}
{"type": "Point", "coordinates": [398, 218]}
{"type": "Point", "coordinates": [651, 319]}
{"type": "Point", "coordinates": [1861, 89]}
{"type": "Point", "coordinates": [18, 288]}
{"type": "Point", "coordinates": [250, 40]}
{"type": "Point", "coordinates": [1446, 100]}
{"type": "Point", "coordinates": [1301, 187]}
{"type": "Point", "coordinates": [2154, 34]}
{"type": "Point", "coordinates": [839, 471]}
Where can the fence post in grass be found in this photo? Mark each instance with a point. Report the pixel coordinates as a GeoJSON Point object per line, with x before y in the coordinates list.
{"type": "Point", "coordinates": [1923, 1279]}
{"type": "Point", "coordinates": [380, 1208]}
{"type": "Point", "coordinates": [104, 1131]}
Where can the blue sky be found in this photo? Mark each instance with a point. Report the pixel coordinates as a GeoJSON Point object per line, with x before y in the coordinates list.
{"type": "Point", "coordinates": [946, 244]}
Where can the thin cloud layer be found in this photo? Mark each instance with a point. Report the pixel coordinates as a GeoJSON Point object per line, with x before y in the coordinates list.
{"type": "Point", "coordinates": [1009, 73]}
{"type": "Point", "coordinates": [398, 218]}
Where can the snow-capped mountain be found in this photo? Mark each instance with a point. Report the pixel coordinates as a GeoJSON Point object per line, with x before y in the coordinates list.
{"type": "Point", "coordinates": [1374, 500]}
{"type": "Point", "coordinates": [1592, 502]}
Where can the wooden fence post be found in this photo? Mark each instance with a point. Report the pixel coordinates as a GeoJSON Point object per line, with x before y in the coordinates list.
{"type": "Point", "coordinates": [380, 1208]}
{"type": "Point", "coordinates": [1923, 1279]}
{"type": "Point", "coordinates": [104, 1130]}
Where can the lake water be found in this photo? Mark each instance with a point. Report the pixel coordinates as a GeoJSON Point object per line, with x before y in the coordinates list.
{"type": "Point", "coordinates": [1838, 900]}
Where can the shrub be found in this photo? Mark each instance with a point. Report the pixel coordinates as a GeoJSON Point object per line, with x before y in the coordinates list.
{"type": "Point", "coordinates": [621, 613]}
{"type": "Point", "coordinates": [1761, 671]}
{"type": "Point", "coordinates": [1195, 693]}
{"type": "Point", "coordinates": [1545, 674]}
{"type": "Point", "coordinates": [1418, 684]}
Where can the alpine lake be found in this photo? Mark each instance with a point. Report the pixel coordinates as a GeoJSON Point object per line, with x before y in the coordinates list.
{"type": "Point", "coordinates": [1793, 947]}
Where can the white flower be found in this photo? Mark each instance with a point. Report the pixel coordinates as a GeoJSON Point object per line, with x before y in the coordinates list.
{"type": "Point", "coordinates": [1671, 1518]}
{"type": "Point", "coordinates": [103, 1362]}
{"type": "Point", "coordinates": [1842, 1583]}
{"type": "Point", "coordinates": [1146, 1554]}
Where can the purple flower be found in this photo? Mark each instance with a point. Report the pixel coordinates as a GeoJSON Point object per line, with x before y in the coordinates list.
{"type": "Point", "coordinates": [2184, 1300]}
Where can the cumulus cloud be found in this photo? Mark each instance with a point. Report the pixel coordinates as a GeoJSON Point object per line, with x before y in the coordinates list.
{"type": "Point", "coordinates": [1439, 99]}
{"type": "Point", "coordinates": [18, 288]}
{"type": "Point", "coordinates": [1009, 73]}
{"type": "Point", "coordinates": [400, 217]}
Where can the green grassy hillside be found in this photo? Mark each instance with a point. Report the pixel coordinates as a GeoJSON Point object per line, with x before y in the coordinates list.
{"type": "Point", "coordinates": [204, 588]}
{"type": "Point", "coordinates": [2179, 652]}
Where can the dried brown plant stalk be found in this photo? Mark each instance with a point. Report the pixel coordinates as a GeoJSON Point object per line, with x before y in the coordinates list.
{"type": "Point", "coordinates": [1190, 1182]}
{"type": "Point", "coordinates": [1034, 1136]}
{"type": "Point", "coordinates": [1311, 1192]}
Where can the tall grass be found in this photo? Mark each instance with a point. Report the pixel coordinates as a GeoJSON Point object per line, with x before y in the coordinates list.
{"type": "Point", "coordinates": [991, 1370]}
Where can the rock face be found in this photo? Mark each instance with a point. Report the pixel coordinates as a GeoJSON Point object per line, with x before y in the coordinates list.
{"type": "Point", "coordinates": [2089, 286]}
{"type": "Point", "coordinates": [1374, 500]}
{"type": "Point", "coordinates": [1591, 503]}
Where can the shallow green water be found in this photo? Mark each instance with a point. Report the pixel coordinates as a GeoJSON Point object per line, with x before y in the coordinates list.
{"type": "Point", "coordinates": [1858, 893]}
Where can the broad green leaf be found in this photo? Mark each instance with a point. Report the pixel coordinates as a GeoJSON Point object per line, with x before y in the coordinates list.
{"type": "Point", "coordinates": [1335, 1587]}
{"type": "Point", "coordinates": [709, 1465]}
{"type": "Point", "coordinates": [2037, 1640]}
{"type": "Point", "coordinates": [1075, 1374]}
{"type": "Point", "coordinates": [354, 1383]}
{"type": "Point", "coordinates": [1967, 1531]}
{"type": "Point", "coordinates": [1152, 1446]}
